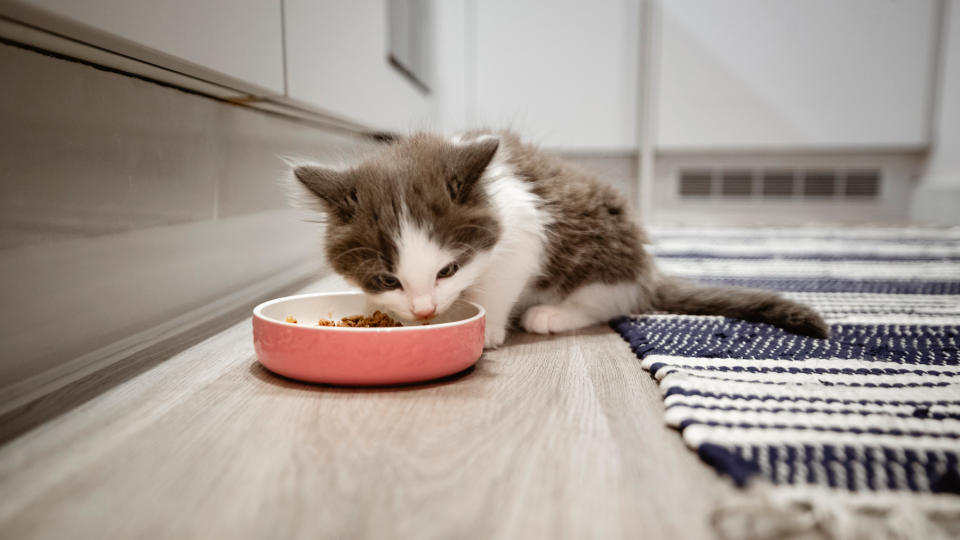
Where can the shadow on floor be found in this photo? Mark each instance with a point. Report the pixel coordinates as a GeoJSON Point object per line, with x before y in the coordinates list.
{"type": "Point", "coordinates": [262, 374]}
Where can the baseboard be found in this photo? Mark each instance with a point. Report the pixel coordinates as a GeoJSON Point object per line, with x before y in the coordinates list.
{"type": "Point", "coordinates": [936, 205]}
{"type": "Point", "coordinates": [49, 381]}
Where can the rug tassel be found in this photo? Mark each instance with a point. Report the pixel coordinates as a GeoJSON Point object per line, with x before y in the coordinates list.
{"type": "Point", "coordinates": [763, 513]}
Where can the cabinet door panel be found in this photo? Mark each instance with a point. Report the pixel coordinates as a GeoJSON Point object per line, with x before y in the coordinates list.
{"type": "Point", "coordinates": [242, 39]}
{"type": "Point", "coordinates": [563, 72]}
{"type": "Point", "coordinates": [794, 73]}
{"type": "Point", "coordinates": [337, 60]}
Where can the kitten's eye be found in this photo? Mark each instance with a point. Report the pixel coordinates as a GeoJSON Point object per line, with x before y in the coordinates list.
{"type": "Point", "coordinates": [448, 270]}
{"type": "Point", "coordinates": [388, 282]}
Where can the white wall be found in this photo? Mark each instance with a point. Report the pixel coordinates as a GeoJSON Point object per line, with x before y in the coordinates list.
{"type": "Point", "coordinates": [450, 69]}
{"type": "Point", "coordinates": [337, 61]}
{"type": "Point", "coordinates": [561, 71]}
{"type": "Point", "coordinates": [943, 168]}
{"type": "Point", "coordinates": [755, 74]}
{"type": "Point", "coordinates": [937, 199]}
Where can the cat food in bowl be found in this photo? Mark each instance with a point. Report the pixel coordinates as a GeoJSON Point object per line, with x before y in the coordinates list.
{"type": "Point", "coordinates": [310, 351]}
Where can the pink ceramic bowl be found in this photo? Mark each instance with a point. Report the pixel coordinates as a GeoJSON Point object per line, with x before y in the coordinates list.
{"type": "Point", "coordinates": [362, 356]}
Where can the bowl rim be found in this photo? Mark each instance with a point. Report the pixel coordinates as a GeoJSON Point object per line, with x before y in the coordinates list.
{"type": "Point", "coordinates": [258, 314]}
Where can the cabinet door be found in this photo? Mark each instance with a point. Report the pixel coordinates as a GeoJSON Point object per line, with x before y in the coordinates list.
{"type": "Point", "coordinates": [338, 60]}
{"type": "Point", "coordinates": [242, 39]}
{"type": "Point", "coordinates": [794, 73]}
{"type": "Point", "coordinates": [563, 72]}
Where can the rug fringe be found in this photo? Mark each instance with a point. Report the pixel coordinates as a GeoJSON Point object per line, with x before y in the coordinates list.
{"type": "Point", "coordinates": [765, 512]}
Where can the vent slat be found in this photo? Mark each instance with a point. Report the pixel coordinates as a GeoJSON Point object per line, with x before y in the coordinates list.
{"type": "Point", "coordinates": [777, 184]}
{"type": "Point", "coordinates": [862, 184]}
{"type": "Point", "coordinates": [819, 184]}
{"type": "Point", "coordinates": [695, 184]}
{"type": "Point", "coordinates": [736, 184]}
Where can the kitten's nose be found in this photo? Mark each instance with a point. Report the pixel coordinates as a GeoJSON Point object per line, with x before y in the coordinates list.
{"type": "Point", "coordinates": [425, 313]}
{"type": "Point", "coordinates": [423, 307]}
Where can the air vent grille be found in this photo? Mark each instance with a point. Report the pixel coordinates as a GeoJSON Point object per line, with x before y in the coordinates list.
{"type": "Point", "coordinates": [777, 184]}
{"type": "Point", "coordinates": [736, 183]}
{"type": "Point", "coordinates": [862, 184]}
{"type": "Point", "coordinates": [781, 184]}
{"type": "Point", "coordinates": [696, 184]}
{"type": "Point", "coordinates": [819, 184]}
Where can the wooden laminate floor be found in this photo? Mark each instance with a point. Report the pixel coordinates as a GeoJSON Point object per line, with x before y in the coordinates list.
{"type": "Point", "coordinates": [548, 437]}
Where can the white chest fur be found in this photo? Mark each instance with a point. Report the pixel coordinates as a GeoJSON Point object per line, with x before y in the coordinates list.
{"type": "Point", "coordinates": [517, 258]}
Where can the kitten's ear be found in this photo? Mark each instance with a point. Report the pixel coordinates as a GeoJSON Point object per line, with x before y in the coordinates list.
{"type": "Point", "coordinates": [336, 188]}
{"type": "Point", "coordinates": [469, 163]}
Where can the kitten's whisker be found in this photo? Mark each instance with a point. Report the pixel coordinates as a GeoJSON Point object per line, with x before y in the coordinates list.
{"type": "Point", "coordinates": [359, 248]}
{"type": "Point", "coordinates": [464, 248]}
{"type": "Point", "coordinates": [369, 273]}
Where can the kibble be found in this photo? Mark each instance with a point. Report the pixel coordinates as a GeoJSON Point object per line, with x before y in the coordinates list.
{"type": "Point", "coordinates": [377, 320]}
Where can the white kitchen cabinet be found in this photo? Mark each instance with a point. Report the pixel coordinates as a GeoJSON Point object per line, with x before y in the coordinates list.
{"type": "Point", "coordinates": [802, 74]}
{"type": "Point", "coordinates": [337, 60]}
{"type": "Point", "coordinates": [241, 39]}
{"type": "Point", "coordinates": [563, 72]}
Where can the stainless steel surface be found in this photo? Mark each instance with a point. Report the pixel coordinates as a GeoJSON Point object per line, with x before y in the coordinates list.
{"type": "Point", "coordinates": [124, 204]}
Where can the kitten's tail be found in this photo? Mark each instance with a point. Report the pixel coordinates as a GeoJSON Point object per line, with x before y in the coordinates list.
{"type": "Point", "coordinates": [678, 295]}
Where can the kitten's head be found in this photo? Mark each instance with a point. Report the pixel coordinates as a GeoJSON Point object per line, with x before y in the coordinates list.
{"type": "Point", "coordinates": [411, 226]}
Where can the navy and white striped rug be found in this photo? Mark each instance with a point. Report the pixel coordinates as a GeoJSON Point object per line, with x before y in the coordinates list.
{"type": "Point", "coordinates": [874, 409]}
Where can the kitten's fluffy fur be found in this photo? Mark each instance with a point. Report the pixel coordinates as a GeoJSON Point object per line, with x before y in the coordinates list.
{"type": "Point", "coordinates": [535, 240]}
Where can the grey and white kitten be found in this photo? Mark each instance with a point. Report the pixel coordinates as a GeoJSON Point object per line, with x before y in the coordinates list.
{"type": "Point", "coordinates": [535, 240]}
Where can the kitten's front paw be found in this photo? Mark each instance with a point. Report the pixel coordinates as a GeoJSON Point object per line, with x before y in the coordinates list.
{"type": "Point", "coordinates": [546, 319]}
{"type": "Point", "coordinates": [494, 336]}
